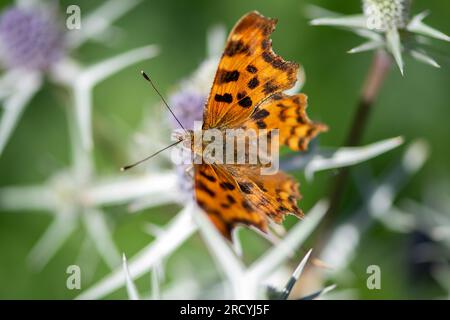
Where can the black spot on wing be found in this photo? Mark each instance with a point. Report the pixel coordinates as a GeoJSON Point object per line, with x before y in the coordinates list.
{"type": "Point", "coordinates": [261, 186]}
{"type": "Point", "coordinates": [236, 47]}
{"type": "Point", "coordinates": [261, 124]}
{"type": "Point", "coordinates": [267, 57]}
{"type": "Point", "coordinates": [265, 44]}
{"type": "Point", "coordinates": [226, 97]}
{"type": "Point", "coordinates": [253, 83]}
{"type": "Point", "coordinates": [227, 186]}
{"type": "Point", "coordinates": [260, 114]}
{"type": "Point", "coordinates": [246, 102]}
{"type": "Point", "coordinates": [231, 199]}
{"type": "Point", "coordinates": [275, 61]}
{"type": "Point", "coordinates": [270, 87]}
{"type": "Point", "coordinates": [203, 187]}
{"type": "Point", "coordinates": [225, 76]}
{"type": "Point", "coordinates": [208, 177]}
{"type": "Point", "coordinates": [241, 95]}
{"type": "Point", "coordinates": [245, 187]}
{"type": "Point", "coordinates": [301, 120]}
{"type": "Point", "coordinates": [267, 28]}
{"type": "Point", "coordinates": [283, 115]}
{"type": "Point", "coordinates": [252, 69]}
{"type": "Point", "coordinates": [292, 131]}
{"type": "Point", "coordinates": [301, 143]}
{"type": "Point", "coordinates": [247, 206]}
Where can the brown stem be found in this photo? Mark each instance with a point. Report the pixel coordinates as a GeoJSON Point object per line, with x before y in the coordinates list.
{"type": "Point", "coordinates": [374, 80]}
{"type": "Point", "coordinates": [378, 71]}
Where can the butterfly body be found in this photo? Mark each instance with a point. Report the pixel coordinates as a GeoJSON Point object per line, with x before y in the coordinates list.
{"type": "Point", "coordinates": [247, 94]}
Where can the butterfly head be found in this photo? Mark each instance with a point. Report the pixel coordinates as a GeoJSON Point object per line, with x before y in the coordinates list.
{"type": "Point", "coordinates": [186, 137]}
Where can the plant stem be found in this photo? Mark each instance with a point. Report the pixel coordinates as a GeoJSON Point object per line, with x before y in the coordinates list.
{"type": "Point", "coordinates": [374, 80]}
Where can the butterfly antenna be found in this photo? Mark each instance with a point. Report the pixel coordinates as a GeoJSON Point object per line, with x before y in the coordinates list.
{"type": "Point", "coordinates": [146, 77]}
{"type": "Point", "coordinates": [149, 157]}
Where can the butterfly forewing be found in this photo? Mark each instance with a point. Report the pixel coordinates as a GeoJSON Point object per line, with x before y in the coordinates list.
{"type": "Point", "coordinates": [248, 72]}
{"type": "Point", "coordinates": [218, 193]}
{"type": "Point", "coordinates": [271, 196]}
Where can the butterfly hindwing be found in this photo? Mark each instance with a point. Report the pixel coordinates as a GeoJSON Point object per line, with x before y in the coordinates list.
{"type": "Point", "coordinates": [249, 71]}
{"type": "Point", "coordinates": [272, 196]}
{"type": "Point", "coordinates": [234, 195]}
{"type": "Point", "coordinates": [219, 195]}
{"type": "Point", "coordinates": [288, 114]}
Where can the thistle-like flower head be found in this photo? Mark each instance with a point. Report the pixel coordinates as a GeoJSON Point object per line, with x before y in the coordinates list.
{"type": "Point", "coordinates": [30, 38]}
{"type": "Point", "coordinates": [188, 106]}
{"type": "Point", "coordinates": [188, 100]}
{"type": "Point", "coordinates": [383, 15]}
{"type": "Point", "coordinates": [388, 25]}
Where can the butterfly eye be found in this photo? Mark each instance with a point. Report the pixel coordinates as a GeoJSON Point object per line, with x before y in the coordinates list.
{"type": "Point", "coordinates": [178, 136]}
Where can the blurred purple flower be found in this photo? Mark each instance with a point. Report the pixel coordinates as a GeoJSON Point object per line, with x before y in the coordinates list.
{"type": "Point", "coordinates": [30, 38]}
{"type": "Point", "coordinates": [185, 184]}
{"type": "Point", "coordinates": [33, 45]}
{"type": "Point", "coordinates": [188, 107]}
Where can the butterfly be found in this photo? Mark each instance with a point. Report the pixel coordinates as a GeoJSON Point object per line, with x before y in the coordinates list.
{"type": "Point", "coordinates": [247, 92]}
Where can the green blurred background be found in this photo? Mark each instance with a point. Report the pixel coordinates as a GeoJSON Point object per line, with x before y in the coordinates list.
{"type": "Point", "coordinates": [413, 106]}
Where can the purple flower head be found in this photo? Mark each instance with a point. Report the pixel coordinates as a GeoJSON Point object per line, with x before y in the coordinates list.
{"type": "Point", "coordinates": [185, 183]}
{"type": "Point", "coordinates": [188, 107]}
{"type": "Point", "coordinates": [30, 38]}
{"type": "Point", "coordinates": [187, 104]}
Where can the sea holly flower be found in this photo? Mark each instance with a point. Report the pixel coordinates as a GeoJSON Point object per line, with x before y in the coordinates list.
{"type": "Point", "coordinates": [175, 186]}
{"type": "Point", "coordinates": [30, 38]}
{"type": "Point", "coordinates": [429, 228]}
{"type": "Point", "coordinates": [74, 196]}
{"type": "Point", "coordinates": [379, 206]}
{"type": "Point", "coordinates": [243, 282]}
{"type": "Point", "coordinates": [77, 197]}
{"type": "Point", "coordinates": [284, 294]}
{"type": "Point", "coordinates": [34, 46]}
{"type": "Point", "coordinates": [382, 204]}
{"type": "Point", "coordinates": [383, 15]}
{"type": "Point", "coordinates": [388, 25]}
{"type": "Point", "coordinates": [189, 105]}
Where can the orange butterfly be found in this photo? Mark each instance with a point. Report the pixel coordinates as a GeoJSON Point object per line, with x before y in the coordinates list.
{"type": "Point", "coordinates": [247, 93]}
